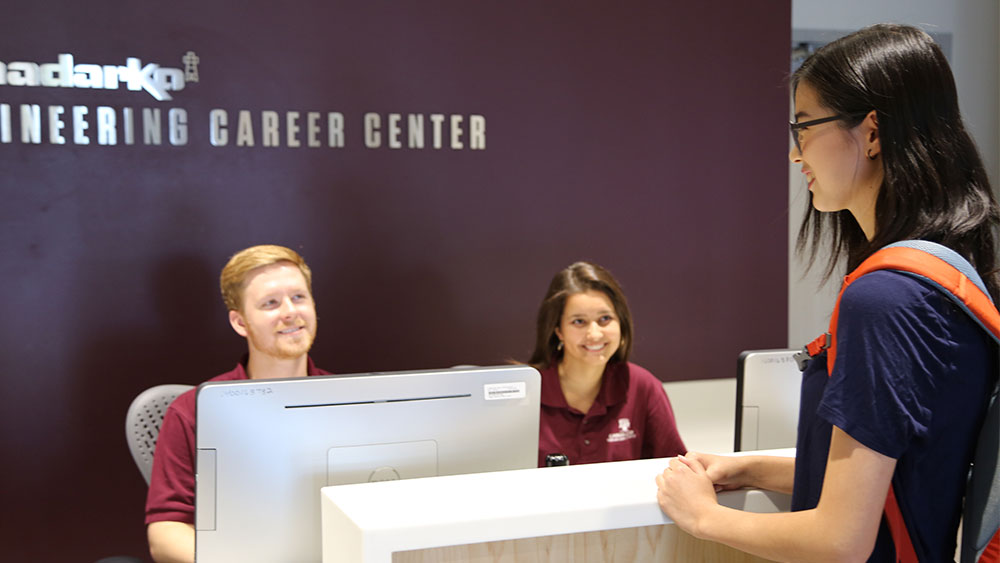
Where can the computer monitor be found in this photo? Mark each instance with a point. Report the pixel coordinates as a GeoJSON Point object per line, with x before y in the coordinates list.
{"type": "Point", "coordinates": [767, 400]}
{"type": "Point", "coordinates": [265, 448]}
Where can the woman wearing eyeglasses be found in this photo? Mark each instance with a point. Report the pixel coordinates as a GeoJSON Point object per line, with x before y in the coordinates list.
{"type": "Point", "coordinates": [886, 158]}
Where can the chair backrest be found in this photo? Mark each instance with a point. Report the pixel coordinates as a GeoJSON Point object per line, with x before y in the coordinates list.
{"type": "Point", "coordinates": [143, 420]}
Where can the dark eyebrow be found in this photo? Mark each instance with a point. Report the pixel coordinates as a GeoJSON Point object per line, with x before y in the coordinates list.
{"type": "Point", "coordinates": [598, 313]}
{"type": "Point", "coordinates": [800, 114]}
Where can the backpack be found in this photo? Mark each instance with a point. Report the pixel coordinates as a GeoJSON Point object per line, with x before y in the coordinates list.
{"type": "Point", "coordinates": [957, 279]}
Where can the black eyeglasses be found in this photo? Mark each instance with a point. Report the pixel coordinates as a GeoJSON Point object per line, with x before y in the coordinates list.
{"type": "Point", "coordinates": [795, 126]}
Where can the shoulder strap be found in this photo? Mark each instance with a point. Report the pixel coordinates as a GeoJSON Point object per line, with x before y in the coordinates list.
{"type": "Point", "coordinates": [957, 279]}
{"type": "Point", "coordinates": [939, 265]}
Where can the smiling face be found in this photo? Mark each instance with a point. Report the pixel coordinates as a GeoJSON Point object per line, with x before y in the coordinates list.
{"type": "Point", "coordinates": [836, 161]}
{"type": "Point", "coordinates": [589, 329]}
{"type": "Point", "coordinates": [278, 317]}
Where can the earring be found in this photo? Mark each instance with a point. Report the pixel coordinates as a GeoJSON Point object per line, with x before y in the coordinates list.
{"type": "Point", "coordinates": [559, 347]}
{"type": "Point", "coordinates": [871, 156]}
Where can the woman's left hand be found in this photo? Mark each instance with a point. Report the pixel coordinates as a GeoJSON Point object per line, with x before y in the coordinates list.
{"type": "Point", "coordinates": [686, 494]}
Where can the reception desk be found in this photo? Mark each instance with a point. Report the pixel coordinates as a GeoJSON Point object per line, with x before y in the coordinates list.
{"type": "Point", "coordinates": [607, 511]}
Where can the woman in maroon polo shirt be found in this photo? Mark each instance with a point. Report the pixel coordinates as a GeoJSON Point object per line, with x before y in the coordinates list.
{"type": "Point", "coordinates": [596, 405]}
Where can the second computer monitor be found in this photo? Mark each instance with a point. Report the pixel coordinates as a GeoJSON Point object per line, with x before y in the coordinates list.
{"type": "Point", "coordinates": [768, 383]}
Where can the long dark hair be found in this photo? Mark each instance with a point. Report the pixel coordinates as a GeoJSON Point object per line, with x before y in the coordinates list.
{"type": "Point", "coordinates": [935, 186]}
{"type": "Point", "coordinates": [578, 278]}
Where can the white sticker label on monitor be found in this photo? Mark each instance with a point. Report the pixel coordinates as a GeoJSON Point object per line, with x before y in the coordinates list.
{"type": "Point", "coordinates": [504, 391]}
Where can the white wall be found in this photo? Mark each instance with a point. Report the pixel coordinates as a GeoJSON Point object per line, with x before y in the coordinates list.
{"type": "Point", "coordinates": [974, 26]}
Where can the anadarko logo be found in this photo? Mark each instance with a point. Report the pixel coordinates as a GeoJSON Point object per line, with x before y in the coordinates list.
{"type": "Point", "coordinates": [62, 122]}
{"type": "Point", "coordinates": [153, 78]}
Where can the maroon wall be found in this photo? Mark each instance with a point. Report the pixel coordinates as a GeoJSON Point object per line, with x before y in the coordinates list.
{"type": "Point", "coordinates": [649, 139]}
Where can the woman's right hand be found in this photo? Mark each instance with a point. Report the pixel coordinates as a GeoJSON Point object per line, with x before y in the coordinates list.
{"type": "Point", "coordinates": [729, 472]}
{"type": "Point", "coordinates": [726, 472]}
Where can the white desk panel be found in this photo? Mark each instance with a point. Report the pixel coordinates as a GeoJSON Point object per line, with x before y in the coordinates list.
{"type": "Point", "coordinates": [368, 522]}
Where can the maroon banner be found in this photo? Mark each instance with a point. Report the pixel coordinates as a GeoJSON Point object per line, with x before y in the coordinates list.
{"type": "Point", "coordinates": [435, 162]}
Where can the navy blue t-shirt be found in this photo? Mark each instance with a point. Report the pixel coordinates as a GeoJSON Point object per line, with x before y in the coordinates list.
{"type": "Point", "coordinates": [911, 381]}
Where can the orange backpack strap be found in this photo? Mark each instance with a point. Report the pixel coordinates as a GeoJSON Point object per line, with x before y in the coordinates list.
{"type": "Point", "coordinates": [953, 275]}
{"type": "Point", "coordinates": [961, 287]}
{"type": "Point", "coordinates": [905, 552]}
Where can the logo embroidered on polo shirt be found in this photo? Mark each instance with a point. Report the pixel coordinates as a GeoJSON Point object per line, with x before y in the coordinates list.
{"type": "Point", "coordinates": [625, 431]}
